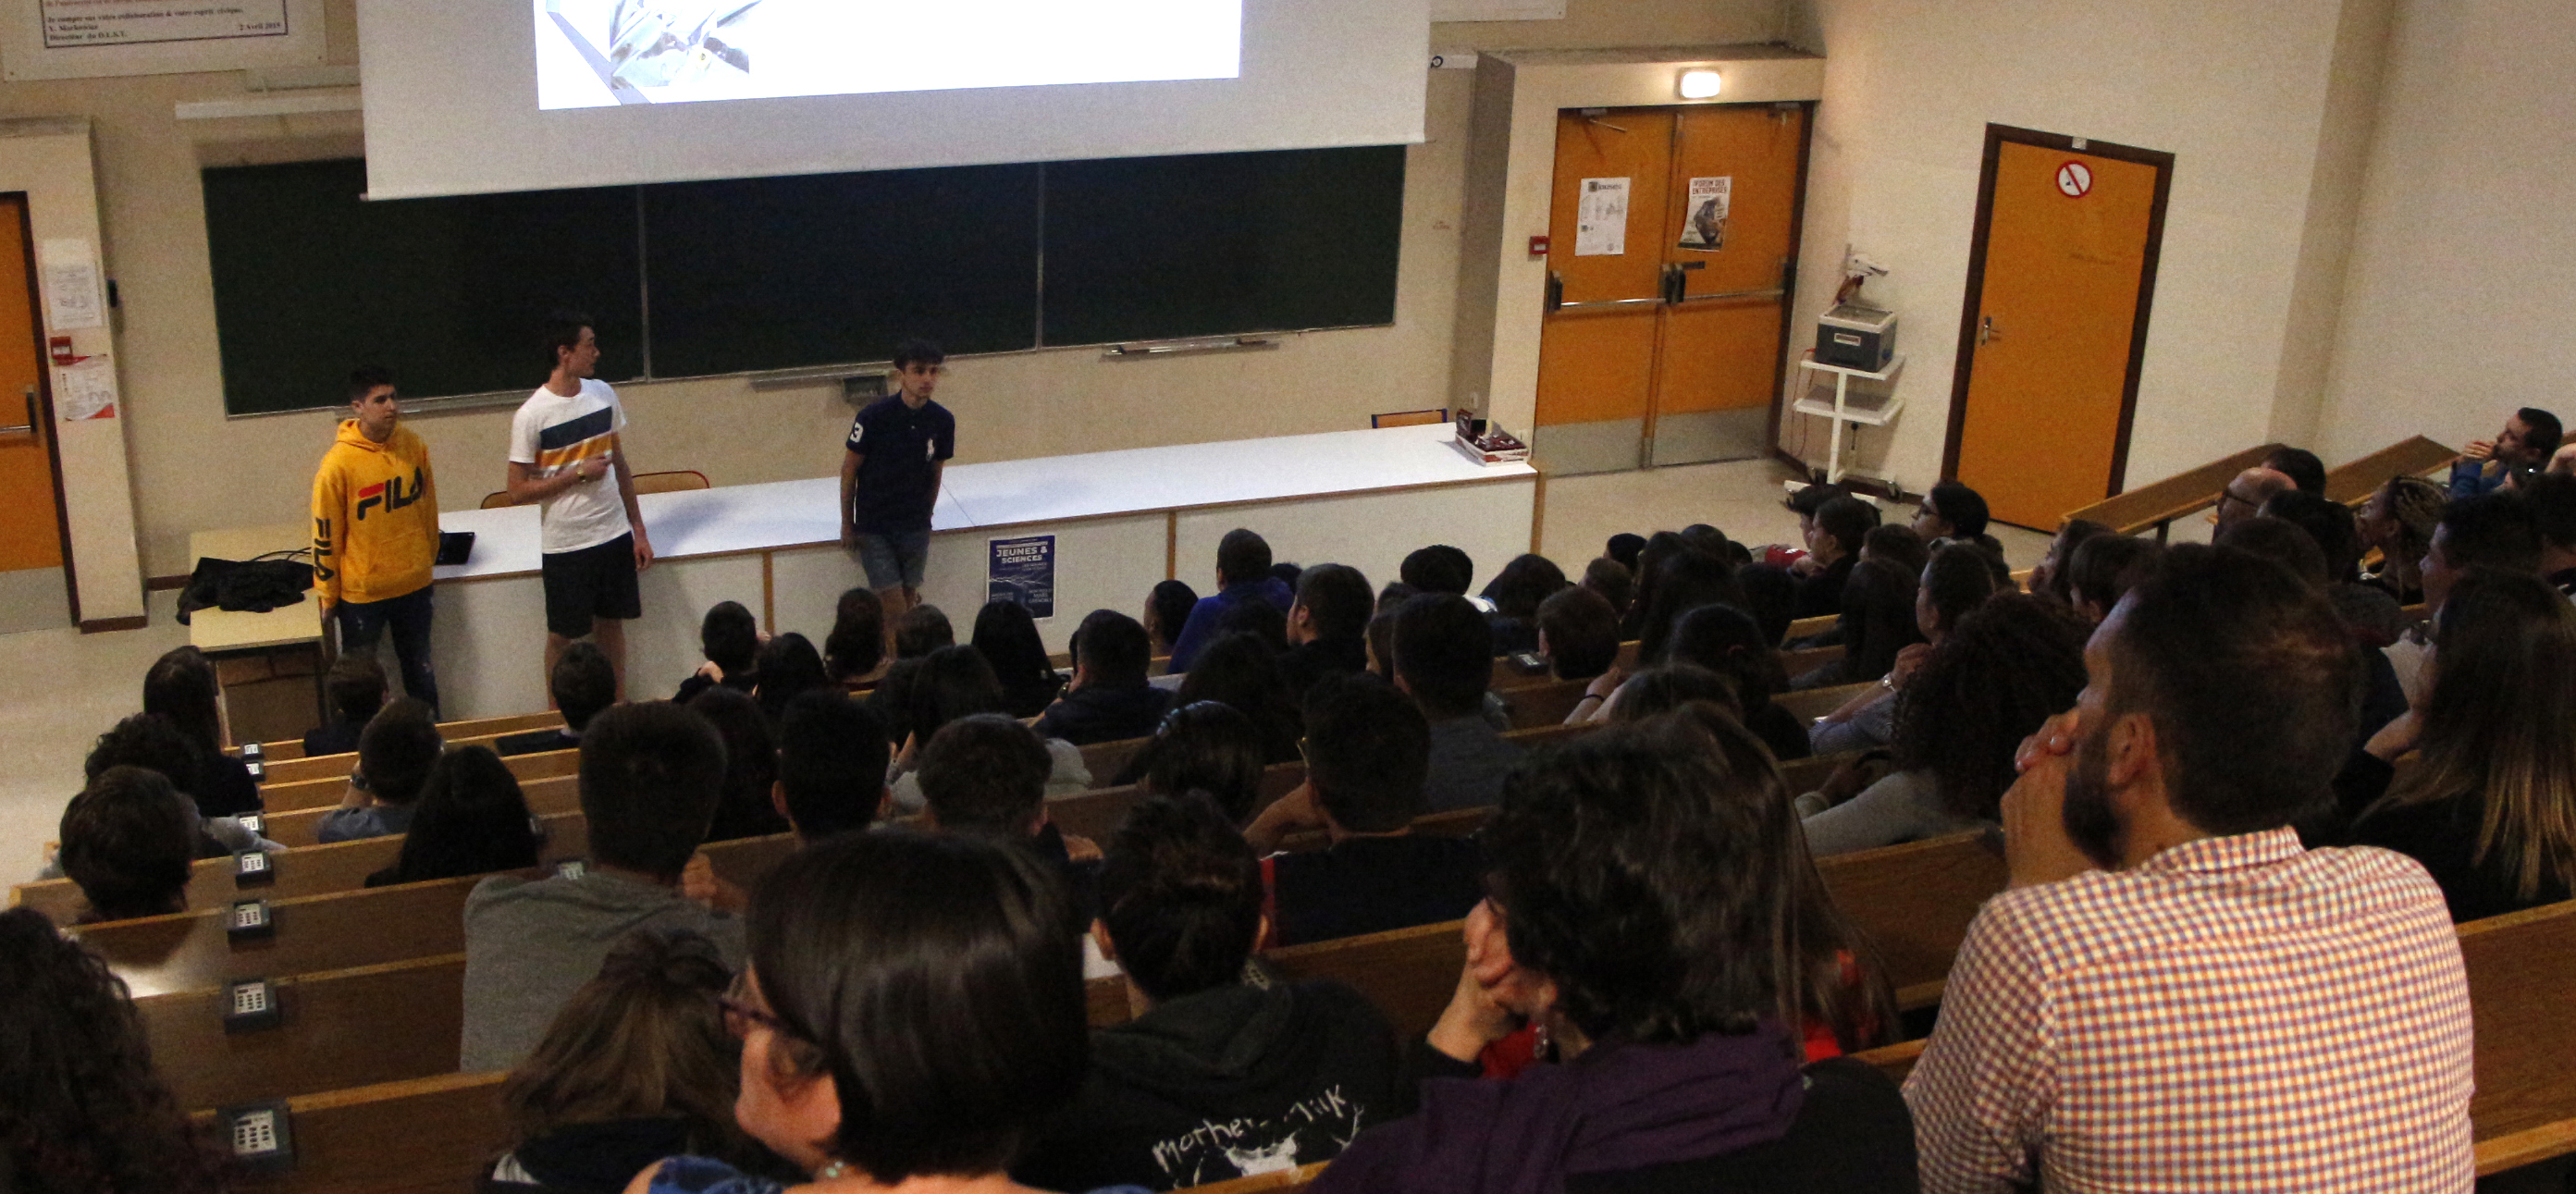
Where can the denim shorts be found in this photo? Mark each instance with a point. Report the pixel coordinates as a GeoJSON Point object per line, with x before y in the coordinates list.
{"type": "Point", "coordinates": [895, 560]}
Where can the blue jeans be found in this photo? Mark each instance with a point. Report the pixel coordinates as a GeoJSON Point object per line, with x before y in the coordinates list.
{"type": "Point", "coordinates": [363, 622]}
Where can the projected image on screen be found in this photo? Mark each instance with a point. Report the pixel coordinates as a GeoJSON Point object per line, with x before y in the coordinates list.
{"type": "Point", "coordinates": [597, 53]}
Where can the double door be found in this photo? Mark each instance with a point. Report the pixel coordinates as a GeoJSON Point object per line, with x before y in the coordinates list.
{"type": "Point", "coordinates": [1672, 248]}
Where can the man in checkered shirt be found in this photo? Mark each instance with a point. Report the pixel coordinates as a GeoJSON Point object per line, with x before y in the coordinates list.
{"type": "Point", "coordinates": [2175, 995]}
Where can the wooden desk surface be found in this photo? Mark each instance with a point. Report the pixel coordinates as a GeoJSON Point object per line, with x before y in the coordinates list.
{"type": "Point", "coordinates": [212, 630]}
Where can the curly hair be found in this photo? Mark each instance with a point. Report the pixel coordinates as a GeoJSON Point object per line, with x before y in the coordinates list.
{"type": "Point", "coordinates": [2009, 665]}
{"type": "Point", "coordinates": [83, 1111]}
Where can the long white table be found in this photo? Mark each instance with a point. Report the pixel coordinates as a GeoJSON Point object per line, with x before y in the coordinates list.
{"type": "Point", "coordinates": [1122, 521]}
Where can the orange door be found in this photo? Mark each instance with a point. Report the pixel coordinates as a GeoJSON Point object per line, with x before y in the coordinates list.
{"type": "Point", "coordinates": [2066, 253]}
{"type": "Point", "coordinates": [1730, 231]}
{"type": "Point", "coordinates": [1596, 371]}
{"type": "Point", "coordinates": [32, 587]}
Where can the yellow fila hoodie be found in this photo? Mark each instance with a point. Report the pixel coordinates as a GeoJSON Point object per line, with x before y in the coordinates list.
{"type": "Point", "coordinates": [375, 517]}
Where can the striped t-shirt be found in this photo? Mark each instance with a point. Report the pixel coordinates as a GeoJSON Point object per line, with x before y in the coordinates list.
{"type": "Point", "coordinates": [553, 433]}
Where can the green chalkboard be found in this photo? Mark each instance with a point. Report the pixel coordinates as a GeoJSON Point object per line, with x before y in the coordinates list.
{"type": "Point", "coordinates": [696, 279]}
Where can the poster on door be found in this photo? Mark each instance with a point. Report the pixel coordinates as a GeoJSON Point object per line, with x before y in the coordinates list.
{"type": "Point", "coordinates": [1601, 218]}
{"type": "Point", "coordinates": [1022, 571]}
{"type": "Point", "coordinates": [1705, 226]}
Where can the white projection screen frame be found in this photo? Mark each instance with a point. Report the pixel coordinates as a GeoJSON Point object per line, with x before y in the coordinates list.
{"type": "Point", "coordinates": [452, 105]}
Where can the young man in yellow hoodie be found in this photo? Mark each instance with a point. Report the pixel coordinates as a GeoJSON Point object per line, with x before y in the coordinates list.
{"type": "Point", "coordinates": [375, 532]}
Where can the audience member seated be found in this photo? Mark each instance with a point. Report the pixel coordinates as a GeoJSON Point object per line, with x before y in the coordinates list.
{"type": "Point", "coordinates": [1612, 581]}
{"type": "Point", "coordinates": [582, 684]}
{"type": "Point", "coordinates": [1651, 910]}
{"type": "Point", "coordinates": [1110, 699]}
{"type": "Point", "coordinates": [1660, 689]}
{"type": "Point", "coordinates": [2325, 1043]}
{"type": "Point", "coordinates": [2244, 495]}
{"type": "Point", "coordinates": [1955, 583]}
{"type": "Point", "coordinates": [353, 690]}
{"type": "Point", "coordinates": [1516, 592]}
{"type": "Point", "coordinates": [1684, 582]}
{"type": "Point", "coordinates": [2529, 439]}
{"type": "Point", "coordinates": [394, 758]}
{"type": "Point", "coordinates": [2486, 808]}
{"type": "Point", "coordinates": [83, 1108]}
{"type": "Point", "coordinates": [1292, 1070]}
{"type": "Point", "coordinates": [1897, 544]}
{"type": "Point", "coordinates": [1660, 547]}
{"type": "Point", "coordinates": [832, 754]}
{"type": "Point", "coordinates": [1367, 753]}
{"type": "Point", "coordinates": [1578, 633]}
{"type": "Point", "coordinates": [1260, 619]}
{"type": "Point", "coordinates": [1444, 660]}
{"type": "Point", "coordinates": [2053, 576]}
{"type": "Point", "coordinates": [790, 667]}
{"type": "Point", "coordinates": [1725, 641]}
{"type": "Point", "coordinates": [149, 741]}
{"type": "Point", "coordinates": [921, 630]}
{"type": "Point", "coordinates": [2552, 501]}
{"type": "Point", "coordinates": [2492, 530]}
{"type": "Point", "coordinates": [2302, 468]}
{"type": "Point", "coordinates": [1207, 748]}
{"type": "Point", "coordinates": [730, 639]}
{"type": "Point", "coordinates": [955, 682]}
{"type": "Point", "coordinates": [471, 819]}
{"type": "Point", "coordinates": [2398, 522]}
{"type": "Point", "coordinates": [1994, 679]}
{"type": "Point", "coordinates": [1438, 568]}
{"type": "Point", "coordinates": [2105, 568]}
{"type": "Point", "coordinates": [1877, 622]}
{"type": "Point", "coordinates": [1771, 597]}
{"type": "Point", "coordinates": [639, 1066]}
{"type": "Point", "coordinates": [1622, 548]}
{"type": "Point", "coordinates": [127, 842]}
{"type": "Point", "coordinates": [2372, 614]}
{"type": "Point", "coordinates": [1833, 547]}
{"type": "Point", "coordinates": [1238, 671]}
{"type": "Point", "coordinates": [2284, 543]}
{"type": "Point", "coordinates": [1167, 609]}
{"type": "Point", "coordinates": [1954, 512]}
{"type": "Point", "coordinates": [1007, 637]}
{"type": "Point", "coordinates": [1327, 627]}
{"type": "Point", "coordinates": [746, 808]}
{"type": "Point", "coordinates": [650, 778]}
{"type": "Point", "coordinates": [932, 986]}
{"type": "Point", "coordinates": [856, 647]}
{"type": "Point", "coordinates": [1242, 575]}
{"type": "Point", "coordinates": [986, 774]}
{"type": "Point", "coordinates": [1286, 573]}
{"type": "Point", "coordinates": [1803, 502]}
{"type": "Point", "coordinates": [181, 687]}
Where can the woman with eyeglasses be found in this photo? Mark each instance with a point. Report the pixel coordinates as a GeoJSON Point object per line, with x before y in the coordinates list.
{"type": "Point", "coordinates": [912, 1010]}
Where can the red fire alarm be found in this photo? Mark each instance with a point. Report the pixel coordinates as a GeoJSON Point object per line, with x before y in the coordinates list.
{"type": "Point", "coordinates": [61, 348]}
{"type": "Point", "coordinates": [1538, 246]}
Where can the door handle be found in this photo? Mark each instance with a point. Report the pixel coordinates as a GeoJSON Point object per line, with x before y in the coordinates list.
{"type": "Point", "coordinates": [1555, 291]}
{"type": "Point", "coordinates": [1986, 330]}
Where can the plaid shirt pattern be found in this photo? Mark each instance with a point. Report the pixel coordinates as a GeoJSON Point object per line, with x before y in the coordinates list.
{"type": "Point", "coordinates": [2235, 1013]}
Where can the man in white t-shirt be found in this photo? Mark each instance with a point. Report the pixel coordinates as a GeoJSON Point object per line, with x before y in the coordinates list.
{"type": "Point", "coordinates": [563, 444]}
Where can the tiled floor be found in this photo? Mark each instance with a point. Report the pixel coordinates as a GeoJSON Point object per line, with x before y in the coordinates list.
{"type": "Point", "coordinates": [68, 687]}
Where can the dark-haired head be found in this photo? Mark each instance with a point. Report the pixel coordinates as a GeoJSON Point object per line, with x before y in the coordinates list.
{"type": "Point", "coordinates": [1167, 609]}
{"type": "Point", "coordinates": [1438, 568]}
{"type": "Point", "coordinates": [914, 350]}
{"type": "Point", "coordinates": [955, 682]}
{"type": "Point", "coordinates": [1524, 582]}
{"type": "Point", "coordinates": [2056, 568]}
{"type": "Point", "coordinates": [1240, 671]}
{"type": "Point", "coordinates": [1665, 687]}
{"type": "Point", "coordinates": [936, 980]}
{"type": "Point", "coordinates": [650, 778]}
{"type": "Point", "coordinates": [365, 379]}
{"type": "Point", "coordinates": [1684, 582]}
{"type": "Point", "coordinates": [1878, 620]}
{"type": "Point", "coordinates": [1951, 511]}
{"type": "Point", "coordinates": [1623, 548]}
{"type": "Point", "coordinates": [355, 687]}
{"type": "Point", "coordinates": [857, 642]}
{"type": "Point", "coordinates": [561, 334]}
{"type": "Point", "coordinates": [2011, 663]}
{"type": "Point", "coordinates": [1368, 753]}
{"type": "Point", "coordinates": [1578, 632]}
{"type": "Point", "coordinates": [2302, 467]}
{"type": "Point", "coordinates": [729, 637]}
{"type": "Point", "coordinates": [789, 666]}
{"type": "Point", "coordinates": [1955, 582]}
{"type": "Point", "coordinates": [985, 774]}
{"type": "Point", "coordinates": [1842, 525]}
{"type": "Point", "coordinates": [1110, 650]}
{"type": "Point", "coordinates": [1242, 557]}
{"type": "Point", "coordinates": [1897, 544]}
{"type": "Point", "coordinates": [2493, 530]}
{"type": "Point", "coordinates": [1206, 747]}
{"type": "Point", "coordinates": [127, 842]}
{"type": "Point", "coordinates": [2280, 541]}
{"type": "Point", "coordinates": [181, 687]}
{"type": "Point", "coordinates": [1724, 640]}
{"type": "Point", "coordinates": [832, 754]}
{"type": "Point", "coordinates": [1444, 654]}
{"type": "Point", "coordinates": [1259, 619]}
{"type": "Point", "coordinates": [2541, 433]}
{"type": "Point", "coordinates": [645, 1040]}
{"type": "Point", "coordinates": [1180, 898]}
{"type": "Point", "coordinates": [1771, 597]}
{"type": "Point", "coordinates": [751, 764]}
{"type": "Point", "coordinates": [472, 820]}
{"type": "Point", "coordinates": [1007, 637]}
{"type": "Point", "coordinates": [2105, 568]}
{"type": "Point", "coordinates": [145, 740]}
{"type": "Point", "coordinates": [1615, 582]}
{"type": "Point", "coordinates": [921, 630]}
{"type": "Point", "coordinates": [86, 1111]}
{"type": "Point", "coordinates": [583, 682]}
{"type": "Point", "coordinates": [1333, 604]}
{"type": "Point", "coordinates": [1808, 499]}
{"type": "Point", "coordinates": [396, 751]}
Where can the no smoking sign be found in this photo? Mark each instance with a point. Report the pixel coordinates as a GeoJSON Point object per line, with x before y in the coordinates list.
{"type": "Point", "coordinates": [2074, 179]}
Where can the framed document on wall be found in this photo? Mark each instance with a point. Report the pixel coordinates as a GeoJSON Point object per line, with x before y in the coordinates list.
{"type": "Point", "coordinates": [81, 39]}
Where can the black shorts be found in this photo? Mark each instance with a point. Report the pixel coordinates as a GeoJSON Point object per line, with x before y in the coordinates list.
{"type": "Point", "coordinates": [594, 582]}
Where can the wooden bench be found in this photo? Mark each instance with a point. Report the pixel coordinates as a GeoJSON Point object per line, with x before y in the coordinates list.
{"type": "Point", "coordinates": [341, 1028]}
{"type": "Point", "coordinates": [340, 766]}
{"type": "Point", "coordinates": [293, 748]}
{"type": "Point", "coordinates": [545, 796]}
{"type": "Point", "coordinates": [1915, 902]}
{"type": "Point", "coordinates": [327, 791]}
{"type": "Point", "coordinates": [2177, 496]}
{"type": "Point", "coordinates": [422, 1136]}
{"type": "Point", "coordinates": [2353, 482]}
{"type": "Point", "coordinates": [1813, 703]}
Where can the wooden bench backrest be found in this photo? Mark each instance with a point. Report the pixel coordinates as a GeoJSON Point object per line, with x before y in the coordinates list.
{"type": "Point", "coordinates": [1105, 760]}
{"type": "Point", "coordinates": [326, 791]}
{"type": "Point", "coordinates": [301, 871]}
{"type": "Point", "coordinates": [476, 727]}
{"type": "Point", "coordinates": [2175, 496]}
{"type": "Point", "coordinates": [1408, 973]}
{"type": "Point", "coordinates": [339, 766]}
{"type": "Point", "coordinates": [545, 796]}
{"type": "Point", "coordinates": [1813, 703]}
{"type": "Point", "coordinates": [1915, 901]}
{"type": "Point", "coordinates": [2522, 988]}
{"type": "Point", "coordinates": [341, 1029]}
{"type": "Point", "coordinates": [2352, 483]}
{"type": "Point", "coordinates": [422, 1136]}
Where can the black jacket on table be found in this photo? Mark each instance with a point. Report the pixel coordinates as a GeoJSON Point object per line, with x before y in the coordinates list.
{"type": "Point", "coordinates": [2443, 835]}
{"type": "Point", "coordinates": [1221, 1084]}
{"type": "Point", "coordinates": [1088, 715]}
{"type": "Point", "coordinates": [1372, 885]}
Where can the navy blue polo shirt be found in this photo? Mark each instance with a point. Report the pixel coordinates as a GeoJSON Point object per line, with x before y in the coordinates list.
{"type": "Point", "coordinates": [902, 448]}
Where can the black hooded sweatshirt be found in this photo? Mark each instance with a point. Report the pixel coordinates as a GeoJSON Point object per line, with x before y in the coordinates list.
{"type": "Point", "coordinates": [1222, 1083]}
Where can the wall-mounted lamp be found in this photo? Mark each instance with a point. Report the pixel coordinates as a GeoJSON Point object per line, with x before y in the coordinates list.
{"type": "Point", "coordinates": [1699, 84]}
